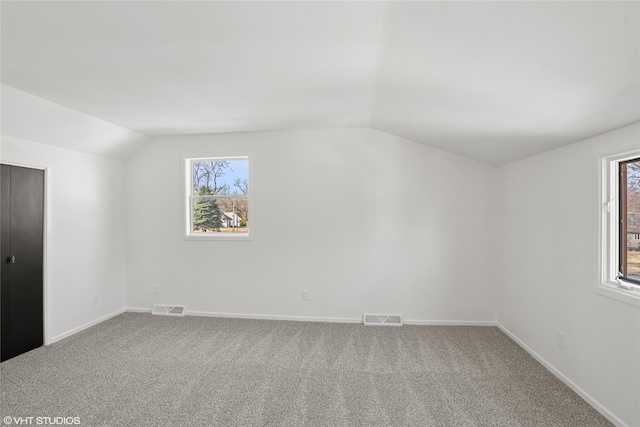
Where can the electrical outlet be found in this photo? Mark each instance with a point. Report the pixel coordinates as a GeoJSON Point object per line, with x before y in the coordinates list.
{"type": "Point", "coordinates": [560, 339]}
{"type": "Point", "coordinates": [156, 288]}
{"type": "Point", "coordinates": [305, 295]}
{"type": "Point", "coordinates": [96, 298]}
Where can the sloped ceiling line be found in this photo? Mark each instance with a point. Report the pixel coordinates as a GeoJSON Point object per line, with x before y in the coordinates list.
{"type": "Point", "coordinates": [492, 81]}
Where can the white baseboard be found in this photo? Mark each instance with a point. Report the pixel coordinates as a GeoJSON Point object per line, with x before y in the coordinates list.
{"type": "Point", "coordinates": [320, 319]}
{"type": "Point", "coordinates": [583, 394]}
{"type": "Point", "coordinates": [258, 316]}
{"type": "Point", "coordinates": [449, 322]}
{"type": "Point", "coordinates": [276, 317]}
{"type": "Point", "coordinates": [138, 310]}
{"type": "Point", "coordinates": [86, 325]}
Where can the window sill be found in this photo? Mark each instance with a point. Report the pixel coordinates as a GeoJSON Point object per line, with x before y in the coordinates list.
{"type": "Point", "coordinates": [612, 290]}
{"type": "Point", "coordinates": [214, 237]}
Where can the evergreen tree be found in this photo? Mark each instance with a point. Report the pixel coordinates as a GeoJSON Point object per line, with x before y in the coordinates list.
{"type": "Point", "coordinates": [206, 213]}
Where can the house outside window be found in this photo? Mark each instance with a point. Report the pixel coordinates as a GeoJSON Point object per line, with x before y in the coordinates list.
{"type": "Point", "coordinates": [217, 198]}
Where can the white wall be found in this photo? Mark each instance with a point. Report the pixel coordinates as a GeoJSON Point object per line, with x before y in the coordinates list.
{"type": "Point", "coordinates": [548, 238]}
{"type": "Point", "coordinates": [35, 119]}
{"type": "Point", "coordinates": [378, 224]}
{"type": "Point", "coordinates": [85, 239]}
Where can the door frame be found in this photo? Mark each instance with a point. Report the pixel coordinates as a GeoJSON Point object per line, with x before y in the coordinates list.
{"type": "Point", "coordinates": [28, 163]}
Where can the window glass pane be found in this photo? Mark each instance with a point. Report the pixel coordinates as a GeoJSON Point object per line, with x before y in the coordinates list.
{"type": "Point", "coordinates": [220, 195]}
{"type": "Point", "coordinates": [220, 176]}
{"type": "Point", "coordinates": [633, 219]}
{"type": "Point", "coordinates": [220, 214]}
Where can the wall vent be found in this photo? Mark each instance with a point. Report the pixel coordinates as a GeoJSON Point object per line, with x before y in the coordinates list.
{"type": "Point", "coordinates": [383, 319]}
{"type": "Point", "coordinates": [168, 310]}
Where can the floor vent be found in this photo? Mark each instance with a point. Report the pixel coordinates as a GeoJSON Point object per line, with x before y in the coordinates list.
{"type": "Point", "coordinates": [383, 319]}
{"type": "Point", "coordinates": [168, 310]}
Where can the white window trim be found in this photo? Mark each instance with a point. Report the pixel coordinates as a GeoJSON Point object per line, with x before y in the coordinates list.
{"type": "Point", "coordinates": [608, 219]}
{"type": "Point", "coordinates": [186, 217]}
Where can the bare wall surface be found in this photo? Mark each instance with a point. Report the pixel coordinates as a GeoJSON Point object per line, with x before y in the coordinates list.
{"type": "Point", "coordinates": [548, 238]}
{"type": "Point", "coordinates": [35, 119]}
{"type": "Point", "coordinates": [365, 221]}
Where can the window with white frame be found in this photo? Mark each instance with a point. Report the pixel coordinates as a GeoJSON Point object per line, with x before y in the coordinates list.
{"type": "Point", "coordinates": [217, 197]}
{"type": "Point", "coordinates": [620, 226]}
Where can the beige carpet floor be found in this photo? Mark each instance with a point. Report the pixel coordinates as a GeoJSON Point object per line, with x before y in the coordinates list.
{"type": "Point", "coordinates": [143, 370]}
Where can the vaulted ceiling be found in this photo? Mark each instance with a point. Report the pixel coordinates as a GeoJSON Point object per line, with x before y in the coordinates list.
{"type": "Point", "coordinates": [492, 81]}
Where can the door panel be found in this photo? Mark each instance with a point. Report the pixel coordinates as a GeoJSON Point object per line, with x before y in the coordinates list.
{"type": "Point", "coordinates": [23, 310]}
{"type": "Point", "coordinates": [5, 247]}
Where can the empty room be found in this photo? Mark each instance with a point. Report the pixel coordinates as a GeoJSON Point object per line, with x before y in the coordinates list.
{"type": "Point", "coordinates": [320, 213]}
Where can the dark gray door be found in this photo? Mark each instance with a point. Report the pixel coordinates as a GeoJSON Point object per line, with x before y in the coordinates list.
{"type": "Point", "coordinates": [21, 260]}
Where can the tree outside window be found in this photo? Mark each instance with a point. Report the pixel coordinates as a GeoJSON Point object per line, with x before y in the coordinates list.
{"type": "Point", "coordinates": [219, 195]}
